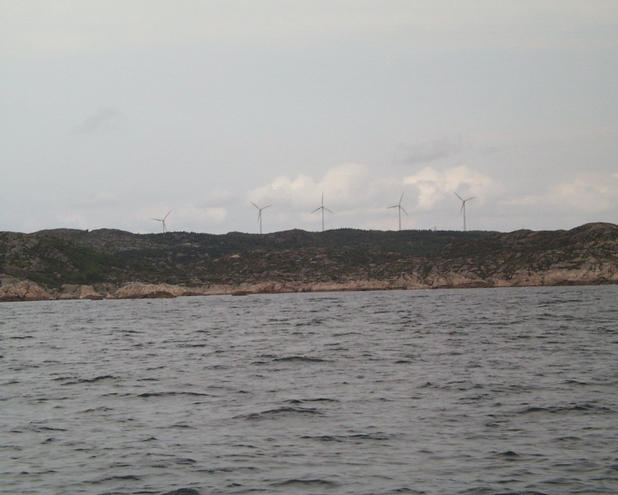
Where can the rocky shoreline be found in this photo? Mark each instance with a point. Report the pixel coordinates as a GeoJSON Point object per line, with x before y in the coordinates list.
{"type": "Point", "coordinates": [12, 289]}
{"type": "Point", "coordinates": [109, 264]}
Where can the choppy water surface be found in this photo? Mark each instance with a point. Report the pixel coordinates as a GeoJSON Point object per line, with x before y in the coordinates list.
{"type": "Point", "coordinates": [446, 391]}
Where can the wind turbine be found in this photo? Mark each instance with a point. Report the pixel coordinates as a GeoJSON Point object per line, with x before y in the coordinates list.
{"type": "Point", "coordinates": [322, 207]}
{"type": "Point", "coordinates": [162, 220]}
{"type": "Point", "coordinates": [463, 207]}
{"type": "Point", "coordinates": [259, 213]}
{"type": "Point", "coordinates": [400, 209]}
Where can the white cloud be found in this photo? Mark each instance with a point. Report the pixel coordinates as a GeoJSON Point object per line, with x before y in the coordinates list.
{"type": "Point", "coordinates": [350, 191]}
{"type": "Point", "coordinates": [361, 199]}
{"type": "Point", "coordinates": [344, 186]}
{"type": "Point", "coordinates": [434, 185]}
{"type": "Point", "coordinates": [587, 193]}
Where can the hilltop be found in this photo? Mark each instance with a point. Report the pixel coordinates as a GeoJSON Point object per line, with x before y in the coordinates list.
{"type": "Point", "coordinates": [68, 263]}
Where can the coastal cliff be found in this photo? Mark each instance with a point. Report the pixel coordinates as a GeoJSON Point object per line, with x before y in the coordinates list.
{"type": "Point", "coordinates": [112, 264]}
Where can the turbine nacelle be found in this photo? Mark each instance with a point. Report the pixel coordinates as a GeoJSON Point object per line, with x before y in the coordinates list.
{"type": "Point", "coordinates": [399, 209]}
{"type": "Point", "coordinates": [323, 208]}
{"type": "Point", "coordinates": [463, 207]}
{"type": "Point", "coordinates": [259, 209]}
{"type": "Point", "coordinates": [162, 220]}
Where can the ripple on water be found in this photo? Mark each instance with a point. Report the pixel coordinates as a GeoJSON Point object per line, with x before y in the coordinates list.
{"type": "Point", "coordinates": [472, 392]}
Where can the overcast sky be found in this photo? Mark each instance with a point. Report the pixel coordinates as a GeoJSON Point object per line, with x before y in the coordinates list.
{"type": "Point", "coordinates": [113, 112]}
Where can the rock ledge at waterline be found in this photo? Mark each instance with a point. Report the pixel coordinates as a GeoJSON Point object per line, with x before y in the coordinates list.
{"type": "Point", "coordinates": [112, 264]}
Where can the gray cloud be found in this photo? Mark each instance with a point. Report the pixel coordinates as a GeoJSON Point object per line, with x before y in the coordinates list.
{"type": "Point", "coordinates": [98, 120]}
{"type": "Point", "coordinates": [99, 200]}
{"type": "Point", "coordinates": [429, 151]}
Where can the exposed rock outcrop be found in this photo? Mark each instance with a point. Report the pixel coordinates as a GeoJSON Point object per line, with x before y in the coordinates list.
{"type": "Point", "coordinates": [73, 291]}
{"type": "Point", "coordinates": [12, 289]}
{"type": "Point", "coordinates": [139, 290]}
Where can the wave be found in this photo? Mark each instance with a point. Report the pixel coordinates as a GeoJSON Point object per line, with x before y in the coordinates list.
{"type": "Point", "coordinates": [378, 436]}
{"type": "Point", "coordinates": [590, 408]}
{"type": "Point", "coordinates": [317, 399]}
{"type": "Point", "coordinates": [46, 428]}
{"type": "Point", "coordinates": [182, 426]}
{"type": "Point", "coordinates": [118, 477]}
{"type": "Point", "coordinates": [183, 491]}
{"type": "Point", "coordinates": [89, 380]}
{"type": "Point", "coordinates": [324, 438]}
{"type": "Point", "coordinates": [307, 359]}
{"type": "Point", "coordinates": [147, 395]}
{"type": "Point", "coordinates": [525, 492]}
{"type": "Point", "coordinates": [312, 482]}
{"type": "Point", "coordinates": [508, 454]}
{"type": "Point", "coordinates": [408, 491]}
{"type": "Point", "coordinates": [281, 411]}
{"type": "Point", "coordinates": [96, 409]}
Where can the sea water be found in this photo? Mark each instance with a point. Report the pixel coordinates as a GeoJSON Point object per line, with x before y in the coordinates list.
{"type": "Point", "coordinates": [474, 391]}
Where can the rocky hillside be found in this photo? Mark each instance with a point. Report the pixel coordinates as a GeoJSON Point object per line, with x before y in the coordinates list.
{"type": "Point", "coordinates": [66, 263]}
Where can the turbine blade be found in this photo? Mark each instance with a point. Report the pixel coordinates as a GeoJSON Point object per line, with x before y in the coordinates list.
{"type": "Point", "coordinates": [403, 209]}
{"type": "Point", "coordinates": [157, 219]}
{"type": "Point", "coordinates": [471, 197]}
{"type": "Point", "coordinates": [167, 214]}
{"type": "Point", "coordinates": [254, 204]}
{"type": "Point", "coordinates": [267, 206]}
{"type": "Point", "coordinates": [317, 209]}
{"type": "Point", "coordinates": [328, 209]}
{"type": "Point", "coordinates": [401, 198]}
{"type": "Point", "coordinates": [459, 196]}
{"type": "Point", "coordinates": [394, 206]}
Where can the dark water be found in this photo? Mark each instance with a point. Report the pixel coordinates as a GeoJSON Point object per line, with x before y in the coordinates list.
{"type": "Point", "coordinates": [437, 392]}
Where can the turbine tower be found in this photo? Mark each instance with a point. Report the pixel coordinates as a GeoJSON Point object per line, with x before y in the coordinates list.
{"type": "Point", "coordinates": [162, 220]}
{"type": "Point", "coordinates": [259, 217]}
{"type": "Point", "coordinates": [400, 209]}
{"type": "Point", "coordinates": [463, 208]}
{"type": "Point", "coordinates": [323, 208]}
